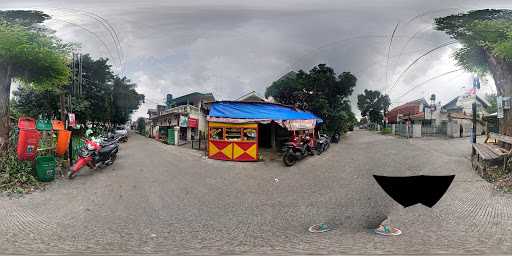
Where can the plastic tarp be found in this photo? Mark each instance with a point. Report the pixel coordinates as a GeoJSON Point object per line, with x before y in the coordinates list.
{"type": "Point", "coordinates": [253, 110]}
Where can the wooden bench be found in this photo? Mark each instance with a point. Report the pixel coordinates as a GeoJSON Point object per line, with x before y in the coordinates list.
{"type": "Point", "coordinates": [491, 153]}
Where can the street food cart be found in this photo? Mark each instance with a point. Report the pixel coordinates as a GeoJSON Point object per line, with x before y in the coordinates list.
{"type": "Point", "coordinates": [228, 141]}
{"type": "Point", "coordinates": [233, 127]}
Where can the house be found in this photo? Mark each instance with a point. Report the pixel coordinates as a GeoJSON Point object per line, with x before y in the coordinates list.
{"type": "Point", "coordinates": [410, 111]}
{"type": "Point", "coordinates": [251, 97]}
{"type": "Point", "coordinates": [183, 119]}
{"type": "Point", "coordinates": [453, 119]}
{"type": "Point", "coordinates": [459, 115]}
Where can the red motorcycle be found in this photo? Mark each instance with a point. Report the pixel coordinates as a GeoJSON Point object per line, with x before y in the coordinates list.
{"type": "Point", "coordinates": [95, 154]}
{"type": "Point", "coordinates": [297, 149]}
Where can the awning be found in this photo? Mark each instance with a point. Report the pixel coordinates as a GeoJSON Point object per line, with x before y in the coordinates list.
{"type": "Point", "coordinates": [254, 111]}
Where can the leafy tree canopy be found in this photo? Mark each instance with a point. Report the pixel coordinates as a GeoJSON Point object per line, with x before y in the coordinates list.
{"type": "Point", "coordinates": [320, 91]}
{"type": "Point", "coordinates": [482, 33]}
{"type": "Point", "coordinates": [373, 104]}
{"type": "Point", "coordinates": [141, 124]}
{"type": "Point", "coordinates": [25, 18]}
{"type": "Point", "coordinates": [32, 57]}
{"type": "Point", "coordinates": [28, 55]}
{"type": "Point", "coordinates": [105, 97]}
{"type": "Point", "coordinates": [486, 36]}
{"type": "Point", "coordinates": [493, 106]}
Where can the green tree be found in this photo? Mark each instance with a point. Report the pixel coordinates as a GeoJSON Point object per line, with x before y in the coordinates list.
{"type": "Point", "coordinates": [141, 125]}
{"type": "Point", "coordinates": [486, 36]}
{"type": "Point", "coordinates": [30, 57]}
{"type": "Point", "coordinates": [363, 120]}
{"type": "Point", "coordinates": [493, 106]}
{"type": "Point", "coordinates": [25, 18]}
{"type": "Point", "coordinates": [320, 91]}
{"type": "Point", "coordinates": [30, 102]}
{"type": "Point", "coordinates": [125, 100]}
{"type": "Point", "coordinates": [105, 98]}
{"type": "Point", "coordinates": [97, 88]}
{"type": "Point", "coordinates": [373, 105]}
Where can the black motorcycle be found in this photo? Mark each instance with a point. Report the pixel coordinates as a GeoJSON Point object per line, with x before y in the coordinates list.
{"type": "Point", "coordinates": [95, 154]}
{"type": "Point", "coordinates": [322, 143]}
{"type": "Point", "coordinates": [297, 150]}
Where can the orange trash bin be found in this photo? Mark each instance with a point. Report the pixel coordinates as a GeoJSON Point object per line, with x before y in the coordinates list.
{"type": "Point", "coordinates": [57, 125]}
{"type": "Point", "coordinates": [63, 138]}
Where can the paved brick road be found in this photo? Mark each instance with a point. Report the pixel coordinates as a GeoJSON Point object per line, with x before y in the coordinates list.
{"type": "Point", "coordinates": [162, 199]}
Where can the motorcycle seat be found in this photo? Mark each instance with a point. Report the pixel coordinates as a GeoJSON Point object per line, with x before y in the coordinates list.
{"type": "Point", "coordinates": [108, 148]}
{"type": "Point", "coordinates": [107, 142]}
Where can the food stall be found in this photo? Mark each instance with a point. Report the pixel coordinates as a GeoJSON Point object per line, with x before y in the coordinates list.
{"type": "Point", "coordinates": [233, 127]}
{"type": "Point", "coordinates": [228, 141]}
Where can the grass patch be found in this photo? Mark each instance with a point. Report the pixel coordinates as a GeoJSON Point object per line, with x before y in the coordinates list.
{"type": "Point", "coordinates": [386, 130]}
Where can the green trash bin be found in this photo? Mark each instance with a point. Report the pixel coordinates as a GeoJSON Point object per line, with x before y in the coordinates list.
{"type": "Point", "coordinates": [170, 136]}
{"type": "Point", "coordinates": [45, 168]}
{"type": "Point", "coordinates": [44, 124]}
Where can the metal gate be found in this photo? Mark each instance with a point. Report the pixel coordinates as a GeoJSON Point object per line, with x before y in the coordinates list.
{"type": "Point", "coordinates": [401, 130]}
{"type": "Point", "coordinates": [429, 129]}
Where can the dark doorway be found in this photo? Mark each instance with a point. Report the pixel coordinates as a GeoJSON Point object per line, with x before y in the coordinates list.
{"type": "Point", "coordinates": [183, 134]}
{"type": "Point", "coordinates": [461, 130]}
{"type": "Point", "coordinates": [265, 135]}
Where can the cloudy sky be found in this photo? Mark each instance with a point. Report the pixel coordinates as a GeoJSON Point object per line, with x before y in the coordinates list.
{"type": "Point", "coordinates": [231, 47]}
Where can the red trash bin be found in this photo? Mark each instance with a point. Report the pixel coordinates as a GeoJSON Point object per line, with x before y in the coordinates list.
{"type": "Point", "coordinates": [26, 123]}
{"type": "Point", "coordinates": [28, 141]}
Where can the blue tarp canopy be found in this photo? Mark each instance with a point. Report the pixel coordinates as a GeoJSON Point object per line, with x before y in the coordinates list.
{"type": "Point", "coordinates": [256, 110]}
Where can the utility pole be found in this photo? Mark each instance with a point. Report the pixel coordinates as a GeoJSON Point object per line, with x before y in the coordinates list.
{"type": "Point", "coordinates": [476, 85]}
{"type": "Point", "coordinates": [80, 80]}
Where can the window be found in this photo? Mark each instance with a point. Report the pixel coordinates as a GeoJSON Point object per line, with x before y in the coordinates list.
{"type": "Point", "coordinates": [233, 133]}
{"type": "Point", "coordinates": [249, 134]}
{"type": "Point", "coordinates": [217, 133]}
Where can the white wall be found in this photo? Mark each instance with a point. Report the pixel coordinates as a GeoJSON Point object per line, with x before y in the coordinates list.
{"type": "Point", "coordinates": [416, 130]}
{"type": "Point", "coordinates": [467, 124]}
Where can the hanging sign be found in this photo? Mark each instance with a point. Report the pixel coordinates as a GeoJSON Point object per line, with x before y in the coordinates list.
{"type": "Point", "coordinates": [499, 103]}
{"type": "Point", "coordinates": [72, 120]}
{"type": "Point", "coordinates": [193, 122]}
{"type": "Point", "coordinates": [295, 125]}
{"type": "Point", "coordinates": [183, 121]}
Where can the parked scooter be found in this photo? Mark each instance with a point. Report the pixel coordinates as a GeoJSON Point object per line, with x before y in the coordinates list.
{"type": "Point", "coordinates": [96, 153]}
{"type": "Point", "coordinates": [322, 143]}
{"type": "Point", "coordinates": [296, 150]}
{"type": "Point", "coordinates": [121, 138]}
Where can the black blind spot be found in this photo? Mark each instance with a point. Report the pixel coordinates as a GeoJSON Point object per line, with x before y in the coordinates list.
{"type": "Point", "coordinates": [411, 190]}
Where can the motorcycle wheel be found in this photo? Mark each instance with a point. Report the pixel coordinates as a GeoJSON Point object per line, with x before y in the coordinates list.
{"type": "Point", "coordinates": [71, 175]}
{"type": "Point", "coordinates": [113, 158]}
{"type": "Point", "coordinates": [289, 159]}
{"type": "Point", "coordinates": [320, 149]}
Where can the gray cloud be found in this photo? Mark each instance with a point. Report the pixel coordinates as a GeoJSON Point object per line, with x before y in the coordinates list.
{"type": "Point", "coordinates": [232, 47]}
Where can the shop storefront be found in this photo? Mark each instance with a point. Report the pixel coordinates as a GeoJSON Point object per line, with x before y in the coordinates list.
{"type": "Point", "coordinates": [238, 142]}
{"type": "Point", "coordinates": [233, 127]}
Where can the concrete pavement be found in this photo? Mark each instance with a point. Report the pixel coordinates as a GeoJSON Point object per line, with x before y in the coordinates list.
{"type": "Point", "coordinates": [159, 199]}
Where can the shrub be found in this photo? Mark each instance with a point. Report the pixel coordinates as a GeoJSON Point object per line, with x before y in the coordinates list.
{"type": "Point", "coordinates": [386, 130]}
{"type": "Point", "coordinates": [16, 176]}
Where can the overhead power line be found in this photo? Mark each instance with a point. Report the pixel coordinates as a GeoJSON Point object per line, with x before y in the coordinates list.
{"type": "Point", "coordinates": [428, 80]}
{"type": "Point", "coordinates": [389, 50]}
{"type": "Point", "coordinates": [418, 59]}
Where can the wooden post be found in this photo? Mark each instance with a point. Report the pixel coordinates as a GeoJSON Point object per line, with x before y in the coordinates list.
{"type": "Point", "coordinates": [273, 136]}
